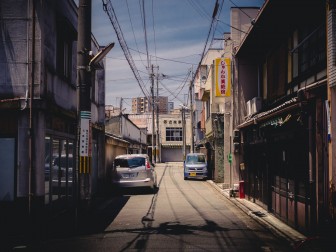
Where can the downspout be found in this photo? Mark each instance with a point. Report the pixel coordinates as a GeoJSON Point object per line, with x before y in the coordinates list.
{"type": "Point", "coordinates": [31, 97]}
{"type": "Point", "coordinates": [27, 58]}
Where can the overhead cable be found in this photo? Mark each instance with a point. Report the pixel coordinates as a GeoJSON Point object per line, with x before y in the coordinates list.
{"type": "Point", "coordinates": [108, 8]}
{"type": "Point", "coordinates": [207, 40]}
{"type": "Point", "coordinates": [135, 40]}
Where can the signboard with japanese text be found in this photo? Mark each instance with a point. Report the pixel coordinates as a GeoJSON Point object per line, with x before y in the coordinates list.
{"type": "Point", "coordinates": [85, 134]}
{"type": "Point", "coordinates": [223, 76]}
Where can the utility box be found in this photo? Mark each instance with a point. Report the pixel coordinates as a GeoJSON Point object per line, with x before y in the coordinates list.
{"type": "Point", "coordinates": [241, 189]}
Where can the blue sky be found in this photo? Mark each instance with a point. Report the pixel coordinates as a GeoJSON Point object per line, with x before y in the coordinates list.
{"type": "Point", "coordinates": [176, 36]}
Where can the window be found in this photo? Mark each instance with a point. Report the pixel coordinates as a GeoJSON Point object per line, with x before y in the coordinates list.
{"type": "Point", "coordinates": [173, 134]}
{"type": "Point", "coordinates": [312, 51]}
{"type": "Point", "coordinates": [129, 162]}
{"type": "Point", "coordinates": [65, 38]}
{"type": "Point", "coordinates": [195, 159]}
{"type": "Point", "coordinates": [64, 57]}
{"type": "Point", "coordinates": [59, 169]}
{"type": "Point", "coordinates": [309, 50]}
{"type": "Point", "coordinates": [207, 107]}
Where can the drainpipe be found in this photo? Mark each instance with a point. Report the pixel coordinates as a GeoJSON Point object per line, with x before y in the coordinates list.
{"type": "Point", "coordinates": [27, 58]}
{"type": "Point", "coordinates": [31, 97]}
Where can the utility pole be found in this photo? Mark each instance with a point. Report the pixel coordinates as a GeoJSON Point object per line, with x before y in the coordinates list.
{"type": "Point", "coordinates": [157, 120]}
{"type": "Point", "coordinates": [183, 133]}
{"type": "Point", "coordinates": [153, 107]}
{"type": "Point", "coordinates": [84, 101]}
{"type": "Point", "coordinates": [191, 90]}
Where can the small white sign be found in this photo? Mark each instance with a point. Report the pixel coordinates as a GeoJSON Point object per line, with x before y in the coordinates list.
{"type": "Point", "coordinates": [84, 145]}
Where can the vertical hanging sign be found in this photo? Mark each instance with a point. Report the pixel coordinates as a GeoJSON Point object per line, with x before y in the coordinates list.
{"type": "Point", "coordinates": [85, 134]}
{"type": "Point", "coordinates": [223, 76]}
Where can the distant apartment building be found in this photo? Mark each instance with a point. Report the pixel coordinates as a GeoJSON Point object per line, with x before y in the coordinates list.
{"type": "Point", "coordinates": [170, 107]}
{"type": "Point", "coordinates": [142, 105]}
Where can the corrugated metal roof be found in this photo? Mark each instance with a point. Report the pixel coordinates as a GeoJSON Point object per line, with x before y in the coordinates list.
{"type": "Point", "coordinates": [263, 115]}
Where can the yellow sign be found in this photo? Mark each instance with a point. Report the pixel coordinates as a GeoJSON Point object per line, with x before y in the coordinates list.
{"type": "Point", "coordinates": [223, 76]}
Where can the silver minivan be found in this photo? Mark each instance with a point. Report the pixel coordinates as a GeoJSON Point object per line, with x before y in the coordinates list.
{"type": "Point", "coordinates": [195, 166]}
{"type": "Point", "coordinates": [134, 170]}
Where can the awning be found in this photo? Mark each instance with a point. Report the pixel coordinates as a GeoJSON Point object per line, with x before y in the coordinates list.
{"type": "Point", "coordinates": [284, 107]}
{"type": "Point", "coordinates": [258, 118]}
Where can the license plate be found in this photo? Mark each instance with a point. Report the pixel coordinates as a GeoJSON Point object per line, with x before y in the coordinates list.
{"type": "Point", "coordinates": [129, 175]}
{"type": "Point", "coordinates": [192, 174]}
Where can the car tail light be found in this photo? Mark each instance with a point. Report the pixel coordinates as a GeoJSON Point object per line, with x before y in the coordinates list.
{"type": "Point", "coordinates": [147, 165]}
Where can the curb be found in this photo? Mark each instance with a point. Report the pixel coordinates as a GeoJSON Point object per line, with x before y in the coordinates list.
{"type": "Point", "coordinates": [276, 226]}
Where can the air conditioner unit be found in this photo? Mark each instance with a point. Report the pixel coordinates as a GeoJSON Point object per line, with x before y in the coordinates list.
{"type": "Point", "coordinates": [255, 105]}
{"type": "Point", "coordinates": [248, 108]}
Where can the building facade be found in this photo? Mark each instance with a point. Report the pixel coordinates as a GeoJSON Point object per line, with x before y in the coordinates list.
{"type": "Point", "coordinates": [171, 132]}
{"type": "Point", "coordinates": [38, 109]}
{"type": "Point", "coordinates": [204, 90]}
{"type": "Point", "coordinates": [280, 114]}
{"type": "Point", "coordinates": [125, 129]}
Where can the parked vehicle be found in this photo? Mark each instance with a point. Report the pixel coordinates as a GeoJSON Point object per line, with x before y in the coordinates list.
{"type": "Point", "coordinates": [134, 170]}
{"type": "Point", "coordinates": [195, 166]}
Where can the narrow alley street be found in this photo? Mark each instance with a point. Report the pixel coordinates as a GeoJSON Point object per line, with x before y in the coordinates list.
{"type": "Point", "coordinates": [182, 216]}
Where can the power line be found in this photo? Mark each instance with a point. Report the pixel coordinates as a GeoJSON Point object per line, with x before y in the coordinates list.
{"type": "Point", "coordinates": [241, 10]}
{"type": "Point", "coordinates": [199, 9]}
{"type": "Point", "coordinates": [108, 8]}
{"type": "Point", "coordinates": [177, 61]}
{"type": "Point", "coordinates": [207, 40]}
{"type": "Point", "coordinates": [135, 40]}
{"type": "Point", "coordinates": [154, 30]}
{"type": "Point", "coordinates": [143, 12]}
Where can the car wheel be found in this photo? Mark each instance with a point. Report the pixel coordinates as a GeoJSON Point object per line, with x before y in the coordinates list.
{"type": "Point", "coordinates": [185, 178]}
{"type": "Point", "coordinates": [154, 189]}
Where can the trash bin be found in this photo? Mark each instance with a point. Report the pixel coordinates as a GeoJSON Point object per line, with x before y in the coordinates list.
{"type": "Point", "coordinates": [241, 190]}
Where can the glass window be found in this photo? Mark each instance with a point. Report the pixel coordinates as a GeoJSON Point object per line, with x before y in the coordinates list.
{"type": "Point", "coordinates": [71, 166]}
{"type": "Point", "coordinates": [195, 159]}
{"type": "Point", "coordinates": [130, 162]}
{"type": "Point", "coordinates": [65, 39]}
{"type": "Point", "coordinates": [174, 134]}
{"type": "Point", "coordinates": [59, 169]}
{"type": "Point", "coordinates": [54, 172]}
{"type": "Point", "coordinates": [47, 164]}
{"type": "Point", "coordinates": [310, 51]}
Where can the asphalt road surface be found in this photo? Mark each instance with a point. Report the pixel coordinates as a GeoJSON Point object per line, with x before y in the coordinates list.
{"type": "Point", "coordinates": [181, 216]}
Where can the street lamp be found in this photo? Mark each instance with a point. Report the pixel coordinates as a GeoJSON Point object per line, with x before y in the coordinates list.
{"type": "Point", "coordinates": [94, 62]}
